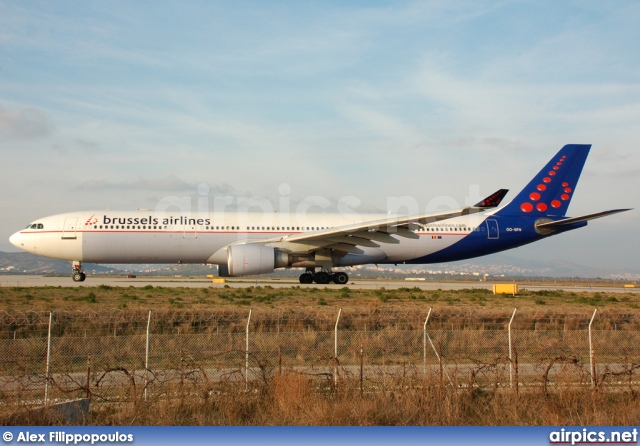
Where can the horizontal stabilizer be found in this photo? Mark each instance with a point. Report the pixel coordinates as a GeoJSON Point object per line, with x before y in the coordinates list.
{"type": "Point", "coordinates": [573, 220]}
{"type": "Point", "coordinates": [492, 200]}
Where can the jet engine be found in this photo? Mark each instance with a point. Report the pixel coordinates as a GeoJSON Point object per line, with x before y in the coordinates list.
{"type": "Point", "coordinates": [246, 260]}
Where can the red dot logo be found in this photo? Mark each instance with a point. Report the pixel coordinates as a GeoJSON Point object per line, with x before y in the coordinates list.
{"type": "Point", "coordinates": [565, 197]}
{"type": "Point", "coordinates": [565, 184]}
{"type": "Point", "coordinates": [526, 207]}
{"type": "Point", "coordinates": [546, 180]}
{"type": "Point", "coordinates": [567, 189]}
{"type": "Point", "coordinates": [563, 156]}
{"type": "Point", "coordinates": [552, 172]}
{"type": "Point", "coordinates": [555, 168]}
{"type": "Point", "coordinates": [541, 207]}
{"type": "Point", "coordinates": [535, 196]}
{"type": "Point", "coordinates": [556, 204]}
{"type": "Point", "coordinates": [541, 187]}
{"type": "Point", "coordinates": [559, 163]}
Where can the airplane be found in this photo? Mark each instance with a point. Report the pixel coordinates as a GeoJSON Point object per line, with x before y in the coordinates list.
{"type": "Point", "coordinates": [318, 242]}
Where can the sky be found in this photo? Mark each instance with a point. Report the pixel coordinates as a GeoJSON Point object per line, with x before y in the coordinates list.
{"type": "Point", "coordinates": [121, 105]}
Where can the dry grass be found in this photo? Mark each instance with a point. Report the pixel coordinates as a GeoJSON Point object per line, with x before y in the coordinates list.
{"type": "Point", "coordinates": [293, 399]}
{"type": "Point", "coordinates": [120, 311]}
{"type": "Point", "coordinates": [298, 399]}
{"type": "Point", "coordinates": [103, 297]}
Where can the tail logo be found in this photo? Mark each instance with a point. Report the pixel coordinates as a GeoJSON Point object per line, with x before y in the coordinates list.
{"type": "Point", "coordinates": [535, 203]}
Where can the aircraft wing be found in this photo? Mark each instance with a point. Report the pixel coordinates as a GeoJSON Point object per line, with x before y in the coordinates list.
{"type": "Point", "coordinates": [347, 238]}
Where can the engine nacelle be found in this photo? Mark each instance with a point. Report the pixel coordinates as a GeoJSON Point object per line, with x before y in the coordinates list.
{"type": "Point", "coordinates": [246, 260]}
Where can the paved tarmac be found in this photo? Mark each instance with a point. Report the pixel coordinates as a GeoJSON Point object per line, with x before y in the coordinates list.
{"type": "Point", "coordinates": [201, 282]}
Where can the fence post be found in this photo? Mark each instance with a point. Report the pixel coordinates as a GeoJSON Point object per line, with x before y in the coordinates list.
{"type": "Point", "coordinates": [335, 349]}
{"type": "Point", "coordinates": [511, 350]}
{"type": "Point", "coordinates": [88, 376]}
{"type": "Point", "coordinates": [424, 341]}
{"type": "Point", "coordinates": [146, 358]}
{"type": "Point", "coordinates": [591, 353]}
{"type": "Point", "coordinates": [46, 383]}
{"type": "Point", "coordinates": [246, 356]}
{"type": "Point", "coordinates": [361, 369]}
{"type": "Point", "coordinates": [439, 356]}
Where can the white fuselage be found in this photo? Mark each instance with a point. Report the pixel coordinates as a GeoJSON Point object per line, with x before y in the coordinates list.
{"type": "Point", "coordinates": [149, 237]}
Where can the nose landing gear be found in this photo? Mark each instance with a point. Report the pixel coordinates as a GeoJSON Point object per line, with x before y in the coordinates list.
{"type": "Point", "coordinates": [78, 275]}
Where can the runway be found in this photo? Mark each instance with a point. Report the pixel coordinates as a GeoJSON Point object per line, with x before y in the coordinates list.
{"type": "Point", "coordinates": [364, 284]}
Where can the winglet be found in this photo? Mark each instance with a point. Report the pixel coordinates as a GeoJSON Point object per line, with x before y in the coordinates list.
{"type": "Point", "coordinates": [492, 200]}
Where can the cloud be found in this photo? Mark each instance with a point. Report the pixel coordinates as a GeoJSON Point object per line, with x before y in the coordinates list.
{"type": "Point", "coordinates": [88, 145]}
{"type": "Point", "coordinates": [20, 124]}
{"type": "Point", "coordinates": [169, 183]}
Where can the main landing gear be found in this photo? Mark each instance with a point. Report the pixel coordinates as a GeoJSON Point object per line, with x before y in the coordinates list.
{"type": "Point", "coordinates": [324, 277]}
{"type": "Point", "coordinates": [78, 275]}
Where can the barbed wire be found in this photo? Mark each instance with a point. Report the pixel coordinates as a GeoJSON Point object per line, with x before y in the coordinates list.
{"type": "Point", "coordinates": [274, 319]}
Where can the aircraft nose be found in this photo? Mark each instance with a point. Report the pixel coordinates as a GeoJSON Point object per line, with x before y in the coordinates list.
{"type": "Point", "coordinates": [15, 240]}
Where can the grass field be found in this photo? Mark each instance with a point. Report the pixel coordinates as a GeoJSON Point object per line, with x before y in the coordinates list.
{"type": "Point", "coordinates": [463, 308]}
{"type": "Point", "coordinates": [104, 297]}
{"type": "Point", "coordinates": [288, 397]}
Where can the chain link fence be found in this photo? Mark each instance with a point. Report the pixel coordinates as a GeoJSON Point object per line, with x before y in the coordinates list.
{"type": "Point", "coordinates": [119, 357]}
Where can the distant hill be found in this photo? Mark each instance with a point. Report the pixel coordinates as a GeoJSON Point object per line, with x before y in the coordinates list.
{"type": "Point", "coordinates": [26, 263]}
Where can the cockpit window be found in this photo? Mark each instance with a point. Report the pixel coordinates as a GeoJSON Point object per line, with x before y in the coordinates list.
{"type": "Point", "coordinates": [40, 226]}
{"type": "Point", "coordinates": [35, 226]}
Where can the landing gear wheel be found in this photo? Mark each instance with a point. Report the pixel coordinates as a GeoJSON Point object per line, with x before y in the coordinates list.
{"type": "Point", "coordinates": [340, 278]}
{"type": "Point", "coordinates": [306, 278]}
{"type": "Point", "coordinates": [322, 277]}
{"type": "Point", "coordinates": [78, 275]}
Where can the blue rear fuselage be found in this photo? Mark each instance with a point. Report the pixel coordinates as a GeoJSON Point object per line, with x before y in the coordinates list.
{"type": "Point", "coordinates": [497, 233]}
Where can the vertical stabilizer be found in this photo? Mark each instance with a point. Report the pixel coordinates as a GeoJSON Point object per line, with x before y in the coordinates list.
{"type": "Point", "coordinates": [550, 191]}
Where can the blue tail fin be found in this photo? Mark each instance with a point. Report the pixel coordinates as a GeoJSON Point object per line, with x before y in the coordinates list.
{"type": "Point", "coordinates": [550, 191]}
